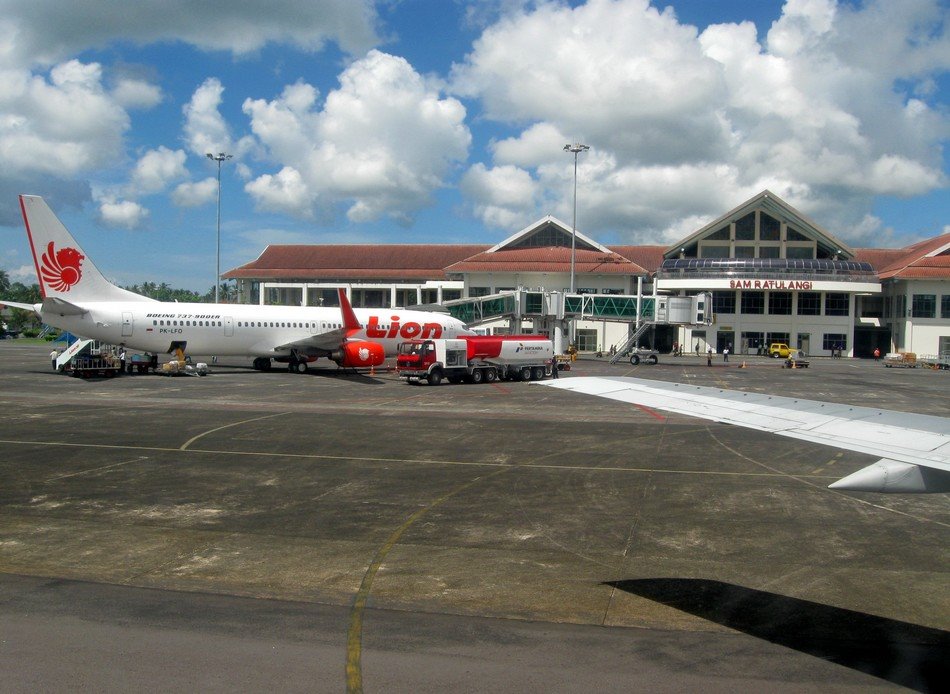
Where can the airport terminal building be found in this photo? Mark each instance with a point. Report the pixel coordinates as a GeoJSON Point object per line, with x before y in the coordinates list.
{"type": "Point", "coordinates": [774, 276]}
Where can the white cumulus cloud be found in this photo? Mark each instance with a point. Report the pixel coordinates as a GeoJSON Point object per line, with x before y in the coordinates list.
{"type": "Point", "coordinates": [380, 144]}
{"type": "Point", "coordinates": [124, 214]}
{"type": "Point", "coordinates": [685, 124]}
{"type": "Point", "coordinates": [193, 194]}
{"type": "Point", "coordinates": [156, 169]}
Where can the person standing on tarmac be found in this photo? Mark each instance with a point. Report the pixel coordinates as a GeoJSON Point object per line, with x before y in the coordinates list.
{"type": "Point", "coordinates": [122, 360]}
{"type": "Point", "coordinates": [709, 356]}
{"type": "Point", "coordinates": [554, 373]}
{"type": "Point", "coordinates": [52, 358]}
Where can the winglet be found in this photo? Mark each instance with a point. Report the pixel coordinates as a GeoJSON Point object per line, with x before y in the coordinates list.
{"type": "Point", "coordinates": [350, 321]}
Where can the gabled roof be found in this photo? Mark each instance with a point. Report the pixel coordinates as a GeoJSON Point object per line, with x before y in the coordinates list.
{"type": "Point", "coordinates": [398, 261]}
{"type": "Point", "coordinates": [548, 259]}
{"type": "Point", "coordinates": [546, 224]}
{"type": "Point", "coordinates": [929, 259]}
{"type": "Point", "coordinates": [649, 257]}
{"type": "Point", "coordinates": [778, 208]}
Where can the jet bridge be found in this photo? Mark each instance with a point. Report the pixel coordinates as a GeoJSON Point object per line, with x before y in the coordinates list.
{"type": "Point", "coordinates": [643, 312]}
{"type": "Point", "coordinates": [537, 304]}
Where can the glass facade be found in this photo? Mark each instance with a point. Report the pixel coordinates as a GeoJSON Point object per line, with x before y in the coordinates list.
{"type": "Point", "coordinates": [924, 306]}
{"type": "Point", "coordinates": [753, 302]}
{"type": "Point", "coordinates": [837, 304]}
{"type": "Point", "coordinates": [780, 303]}
{"type": "Point", "coordinates": [724, 302]}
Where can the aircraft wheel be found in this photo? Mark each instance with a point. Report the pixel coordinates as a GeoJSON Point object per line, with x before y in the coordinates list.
{"type": "Point", "coordinates": [635, 359]}
{"type": "Point", "coordinates": [301, 367]}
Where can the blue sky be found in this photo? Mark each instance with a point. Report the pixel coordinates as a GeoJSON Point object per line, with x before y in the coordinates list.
{"type": "Point", "coordinates": [442, 121]}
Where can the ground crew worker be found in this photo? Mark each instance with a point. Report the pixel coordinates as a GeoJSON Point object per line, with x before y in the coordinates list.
{"type": "Point", "coordinates": [52, 358]}
{"type": "Point", "coordinates": [554, 373]}
{"type": "Point", "coordinates": [122, 361]}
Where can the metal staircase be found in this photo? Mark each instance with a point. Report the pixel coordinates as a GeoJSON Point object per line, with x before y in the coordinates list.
{"type": "Point", "coordinates": [631, 341]}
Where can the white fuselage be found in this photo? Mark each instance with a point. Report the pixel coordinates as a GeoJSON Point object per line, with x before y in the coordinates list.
{"type": "Point", "coordinates": [242, 329]}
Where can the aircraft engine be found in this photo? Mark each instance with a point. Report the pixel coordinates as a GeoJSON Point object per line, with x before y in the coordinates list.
{"type": "Point", "coordinates": [359, 354]}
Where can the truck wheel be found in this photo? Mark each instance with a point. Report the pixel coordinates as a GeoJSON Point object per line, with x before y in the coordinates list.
{"type": "Point", "coordinates": [635, 359]}
{"type": "Point", "coordinates": [490, 375]}
{"type": "Point", "coordinates": [525, 374]}
{"type": "Point", "coordinates": [653, 359]}
{"type": "Point", "coordinates": [434, 378]}
{"type": "Point", "coordinates": [478, 376]}
{"type": "Point", "coordinates": [537, 373]}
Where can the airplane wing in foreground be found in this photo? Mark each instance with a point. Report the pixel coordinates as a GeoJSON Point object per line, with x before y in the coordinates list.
{"type": "Point", "coordinates": [914, 448]}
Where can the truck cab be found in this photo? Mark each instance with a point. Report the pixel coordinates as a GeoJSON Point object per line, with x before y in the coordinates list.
{"type": "Point", "coordinates": [432, 359]}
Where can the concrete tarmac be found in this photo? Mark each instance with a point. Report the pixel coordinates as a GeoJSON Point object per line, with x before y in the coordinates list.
{"type": "Point", "coordinates": [502, 537]}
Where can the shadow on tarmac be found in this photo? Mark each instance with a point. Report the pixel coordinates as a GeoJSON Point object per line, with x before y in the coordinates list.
{"type": "Point", "coordinates": [906, 654]}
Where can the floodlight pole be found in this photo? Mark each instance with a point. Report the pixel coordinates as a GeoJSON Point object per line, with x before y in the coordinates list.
{"type": "Point", "coordinates": [220, 157]}
{"type": "Point", "coordinates": [575, 149]}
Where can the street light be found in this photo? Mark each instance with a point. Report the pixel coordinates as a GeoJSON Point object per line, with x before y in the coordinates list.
{"type": "Point", "coordinates": [221, 156]}
{"type": "Point", "coordinates": [576, 149]}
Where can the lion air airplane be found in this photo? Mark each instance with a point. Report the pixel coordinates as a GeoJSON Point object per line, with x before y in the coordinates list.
{"type": "Point", "coordinates": [78, 298]}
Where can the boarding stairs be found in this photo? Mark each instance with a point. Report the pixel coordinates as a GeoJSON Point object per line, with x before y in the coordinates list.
{"type": "Point", "coordinates": [632, 341]}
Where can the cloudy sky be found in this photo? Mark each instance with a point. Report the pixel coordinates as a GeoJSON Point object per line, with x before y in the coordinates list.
{"type": "Point", "coordinates": [444, 121]}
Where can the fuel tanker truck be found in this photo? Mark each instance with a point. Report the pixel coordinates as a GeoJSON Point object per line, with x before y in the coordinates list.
{"type": "Point", "coordinates": [476, 359]}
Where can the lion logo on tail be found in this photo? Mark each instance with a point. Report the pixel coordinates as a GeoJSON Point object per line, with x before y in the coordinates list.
{"type": "Point", "coordinates": [61, 269]}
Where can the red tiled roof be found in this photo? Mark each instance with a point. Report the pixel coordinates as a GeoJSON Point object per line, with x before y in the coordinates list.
{"type": "Point", "coordinates": [548, 259]}
{"type": "Point", "coordinates": [398, 261]}
{"type": "Point", "coordinates": [912, 262]}
{"type": "Point", "coordinates": [426, 261]}
{"type": "Point", "coordinates": [649, 257]}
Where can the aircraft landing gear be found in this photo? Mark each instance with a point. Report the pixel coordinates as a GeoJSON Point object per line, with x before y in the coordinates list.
{"type": "Point", "coordinates": [262, 364]}
{"type": "Point", "coordinates": [296, 365]}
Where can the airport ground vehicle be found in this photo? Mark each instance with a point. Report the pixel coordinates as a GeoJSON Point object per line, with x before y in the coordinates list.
{"type": "Point", "coordinates": [476, 359]}
{"type": "Point", "coordinates": [797, 359]}
{"type": "Point", "coordinates": [902, 360]}
{"type": "Point", "coordinates": [779, 350]}
{"type": "Point", "coordinates": [87, 359]}
{"type": "Point", "coordinates": [650, 356]}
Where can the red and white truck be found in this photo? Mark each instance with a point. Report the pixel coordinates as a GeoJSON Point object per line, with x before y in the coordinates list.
{"type": "Point", "coordinates": [476, 359]}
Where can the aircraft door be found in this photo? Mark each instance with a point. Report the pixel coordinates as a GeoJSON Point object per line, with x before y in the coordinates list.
{"type": "Point", "coordinates": [228, 326]}
{"type": "Point", "coordinates": [127, 323]}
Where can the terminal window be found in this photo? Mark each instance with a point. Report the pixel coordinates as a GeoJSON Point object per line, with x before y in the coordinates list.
{"type": "Point", "coordinates": [837, 304]}
{"type": "Point", "coordinates": [724, 302]}
{"type": "Point", "coordinates": [753, 302]}
{"type": "Point", "coordinates": [945, 306]}
{"type": "Point", "coordinates": [780, 303]}
{"type": "Point", "coordinates": [924, 306]}
{"type": "Point", "coordinates": [777, 337]}
{"type": "Point", "coordinates": [830, 341]}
